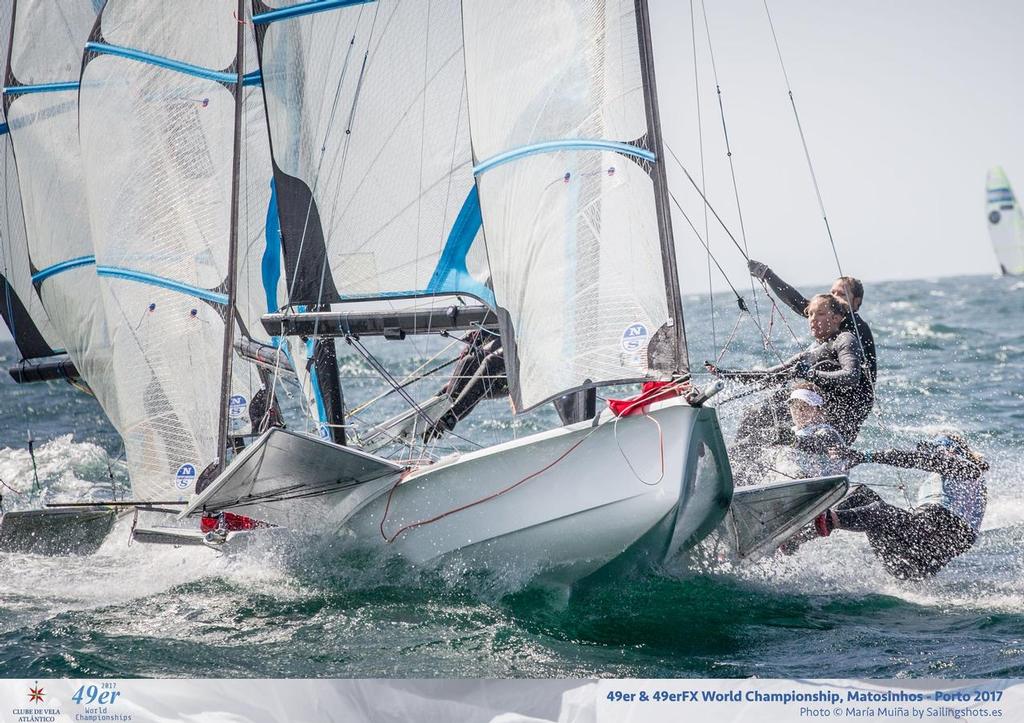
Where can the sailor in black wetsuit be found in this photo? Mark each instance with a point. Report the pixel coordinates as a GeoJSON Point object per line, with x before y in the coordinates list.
{"type": "Point", "coordinates": [479, 374]}
{"type": "Point", "coordinates": [847, 289]}
{"type": "Point", "coordinates": [915, 544]}
{"type": "Point", "coordinates": [834, 362]}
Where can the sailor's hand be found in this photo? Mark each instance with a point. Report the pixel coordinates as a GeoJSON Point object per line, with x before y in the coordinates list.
{"type": "Point", "coordinates": [712, 368]}
{"type": "Point", "coordinates": [801, 370]}
{"type": "Point", "coordinates": [757, 269]}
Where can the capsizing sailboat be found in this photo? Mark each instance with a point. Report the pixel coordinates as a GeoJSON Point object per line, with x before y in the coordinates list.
{"type": "Point", "coordinates": [1005, 222]}
{"type": "Point", "coordinates": [464, 166]}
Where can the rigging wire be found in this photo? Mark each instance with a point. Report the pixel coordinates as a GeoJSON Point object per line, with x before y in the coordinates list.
{"type": "Point", "coordinates": [728, 149]}
{"type": "Point", "coordinates": [803, 139]}
{"type": "Point", "coordinates": [875, 407]}
{"type": "Point", "coordinates": [739, 298]}
{"type": "Point", "coordinates": [703, 175]}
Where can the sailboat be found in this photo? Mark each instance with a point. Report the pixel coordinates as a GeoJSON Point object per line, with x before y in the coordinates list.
{"type": "Point", "coordinates": [1005, 222]}
{"type": "Point", "coordinates": [459, 166]}
{"type": "Point", "coordinates": [51, 297]}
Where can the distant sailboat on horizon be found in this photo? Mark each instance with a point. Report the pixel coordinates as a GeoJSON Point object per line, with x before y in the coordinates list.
{"type": "Point", "coordinates": [1005, 222]}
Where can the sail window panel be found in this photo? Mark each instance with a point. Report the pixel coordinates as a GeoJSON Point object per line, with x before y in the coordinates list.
{"type": "Point", "coordinates": [576, 73]}
{"type": "Point", "coordinates": [573, 244]}
{"type": "Point", "coordinates": [148, 26]}
{"type": "Point", "coordinates": [385, 150]}
{"type": "Point", "coordinates": [163, 208]}
{"type": "Point", "coordinates": [65, 26]}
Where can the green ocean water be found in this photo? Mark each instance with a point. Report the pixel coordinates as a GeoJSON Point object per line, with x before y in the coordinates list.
{"type": "Point", "coordinates": [951, 354]}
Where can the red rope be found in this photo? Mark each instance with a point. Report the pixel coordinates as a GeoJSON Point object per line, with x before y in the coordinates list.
{"type": "Point", "coordinates": [488, 498]}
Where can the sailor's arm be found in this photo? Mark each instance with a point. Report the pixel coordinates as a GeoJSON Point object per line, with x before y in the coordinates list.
{"type": "Point", "coordinates": [850, 356]}
{"type": "Point", "coordinates": [785, 293]}
{"type": "Point", "coordinates": [777, 373]}
{"type": "Point", "coordinates": [943, 464]}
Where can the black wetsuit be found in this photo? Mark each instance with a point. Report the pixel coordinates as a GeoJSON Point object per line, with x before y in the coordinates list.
{"type": "Point", "coordinates": [479, 374]}
{"type": "Point", "coordinates": [912, 544]}
{"type": "Point", "coordinates": [852, 323]}
{"type": "Point", "coordinates": [836, 366]}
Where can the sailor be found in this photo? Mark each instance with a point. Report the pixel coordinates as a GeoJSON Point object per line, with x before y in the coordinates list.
{"type": "Point", "coordinates": [834, 362]}
{"type": "Point", "coordinates": [915, 544]}
{"type": "Point", "coordinates": [479, 374]}
{"type": "Point", "coordinates": [813, 449]}
{"type": "Point", "coordinates": [847, 289]}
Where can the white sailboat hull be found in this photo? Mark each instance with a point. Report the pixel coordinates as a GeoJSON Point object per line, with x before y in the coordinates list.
{"type": "Point", "coordinates": [558, 505]}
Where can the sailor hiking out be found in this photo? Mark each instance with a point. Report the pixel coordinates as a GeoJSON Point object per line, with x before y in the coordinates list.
{"type": "Point", "coordinates": [834, 362]}
{"type": "Point", "coordinates": [846, 289]}
{"type": "Point", "coordinates": [912, 543]}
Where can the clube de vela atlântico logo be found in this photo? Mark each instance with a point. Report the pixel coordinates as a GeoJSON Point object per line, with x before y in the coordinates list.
{"type": "Point", "coordinates": [36, 710]}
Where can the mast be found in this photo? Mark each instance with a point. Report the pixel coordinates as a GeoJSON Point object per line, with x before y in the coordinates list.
{"type": "Point", "coordinates": [654, 142]}
{"type": "Point", "coordinates": [236, 161]}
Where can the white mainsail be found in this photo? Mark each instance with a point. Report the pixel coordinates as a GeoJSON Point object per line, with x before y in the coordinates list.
{"type": "Point", "coordinates": [1005, 222]}
{"type": "Point", "coordinates": [20, 305]}
{"type": "Point", "coordinates": [40, 99]}
{"type": "Point", "coordinates": [161, 80]}
{"type": "Point", "coordinates": [567, 157]}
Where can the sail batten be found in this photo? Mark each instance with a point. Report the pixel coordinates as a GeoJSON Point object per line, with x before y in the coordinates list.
{"type": "Point", "coordinates": [162, 282]}
{"type": "Point", "coordinates": [305, 8]}
{"type": "Point", "coordinates": [579, 144]}
{"type": "Point", "coordinates": [39, 276]}
{"type": "Point", "coordinates": [221, 76]}
{"type": "Point", "coordinates": [58, 87]}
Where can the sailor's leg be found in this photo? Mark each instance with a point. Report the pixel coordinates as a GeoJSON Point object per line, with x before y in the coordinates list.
{"type": "Point", "coordinates": [863, 510]}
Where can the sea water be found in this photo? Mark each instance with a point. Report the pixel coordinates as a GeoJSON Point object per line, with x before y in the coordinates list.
{"type": "Point", "coordinates": [951, 354]}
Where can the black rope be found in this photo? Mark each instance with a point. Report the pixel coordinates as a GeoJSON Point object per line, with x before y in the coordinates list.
{"type": "Point", "coordinates": [386, 375]}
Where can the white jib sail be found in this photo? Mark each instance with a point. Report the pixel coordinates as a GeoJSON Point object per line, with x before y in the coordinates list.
{"type": "Point", "coordinates": [42, 113]}
{"type": "Point", "coordinates": [1005, 222]}
{"type": "Point", "coordinates": [20, 305]}
{"type": "Point", "coordinates": [561, 144]}
{"type": "Point", "coordinates": [157, 127]}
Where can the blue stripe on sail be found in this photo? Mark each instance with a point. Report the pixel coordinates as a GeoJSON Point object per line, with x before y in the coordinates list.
{"type": "Point", "coordinates": [163, 283]}
{"type": "Point", "coordinates": [58, 268]}
{"type": "Point", "coordinates": [451, 274]}
{"type": "Point", "coordinates": [198, 71]}
{"type": "Point", "coordinates": [306, 8]}
{"type": "Point", "coordinates": [567, 144]}
{"type": "Point", "coordinates": [4, 129]}
{"type": "Point", "coordinates": [41, 88]}
{"type": "Point", "coordinates": [271, 262]}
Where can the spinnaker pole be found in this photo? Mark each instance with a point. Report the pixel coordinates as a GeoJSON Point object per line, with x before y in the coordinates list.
{"type": "Point", "coordinates": [229, 324]}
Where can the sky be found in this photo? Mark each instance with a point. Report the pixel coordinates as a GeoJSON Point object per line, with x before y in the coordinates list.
{"type": "Point", "coordinates": [905, 105]}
